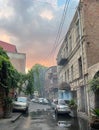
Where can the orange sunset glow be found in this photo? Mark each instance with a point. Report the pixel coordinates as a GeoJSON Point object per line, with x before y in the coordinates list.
{"type": "Point", "coordinates": [33, 27]}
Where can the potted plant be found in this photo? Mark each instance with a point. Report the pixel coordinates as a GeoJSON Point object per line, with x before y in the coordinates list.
{"type": "Point", "coordinates": [94, 121]}
{"type": "Point", "coordinates": [73, 107]}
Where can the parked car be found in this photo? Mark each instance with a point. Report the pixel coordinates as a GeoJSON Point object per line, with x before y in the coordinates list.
{"type": "Point", "coordinates": [21, 104]}
{"type": "Point", "coordinates": [40, 100]}
{"type": "Point", "coordinates": [54, 103]}
{"type": "Point", "coordinates": [35, 100]}
{"type": "Point", "coordinates": [62, 107]}
{"type": "Point", "coordinates": [43, 101]}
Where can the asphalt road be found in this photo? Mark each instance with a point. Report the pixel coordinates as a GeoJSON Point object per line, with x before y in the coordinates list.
{"type": "Point", "coordinates": [42, 117]}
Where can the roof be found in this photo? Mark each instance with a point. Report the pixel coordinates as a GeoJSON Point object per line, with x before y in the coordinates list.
{"type": "Point", "coordinates": [8, 47]}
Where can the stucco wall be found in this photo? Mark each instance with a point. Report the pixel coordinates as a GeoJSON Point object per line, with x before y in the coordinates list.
{"type": "Point", "coordinates": [18, 60]}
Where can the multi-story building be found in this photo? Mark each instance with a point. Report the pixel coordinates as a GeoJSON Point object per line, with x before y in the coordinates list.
{"type": "Point", "coordinates": [18, 60]}
{"type": "Point", "coordinates": [51, 83]}
{"type": "Point", "coordinates": [78, 57]}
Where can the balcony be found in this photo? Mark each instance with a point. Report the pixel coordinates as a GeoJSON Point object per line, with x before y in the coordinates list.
{"type": "Point", "coordinates": [61, 61]}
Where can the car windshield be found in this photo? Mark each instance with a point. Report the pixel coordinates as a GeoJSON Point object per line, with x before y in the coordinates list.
{"type": "Point", "coordinates": [21, 99]}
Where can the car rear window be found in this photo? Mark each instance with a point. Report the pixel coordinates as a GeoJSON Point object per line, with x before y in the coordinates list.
{"type": "Point", "coordinates": [21, 99]}
{"type": "Point", "coordinates": [62, 102]}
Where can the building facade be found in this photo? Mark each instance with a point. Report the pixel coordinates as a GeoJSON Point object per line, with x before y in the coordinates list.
{"type": "Point", "coordinates": [78, 57]}
{"type": "Point", "coordinates": [18, 60]}
{"type": "Point", "coordinates": [51, 82]}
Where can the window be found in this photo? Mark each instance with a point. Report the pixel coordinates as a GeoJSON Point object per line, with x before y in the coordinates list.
{"type": "Point", "coordinates": [67, 49]}
{"type": "Point", "coordinates": [80, 66]}
{"type": "Point", "coordinates": [72, 73]}
{"type": "Point", "coordinates": [70, 43]}
{"type": "Point", "coordinates": [65, 76]}
{"type": "Point", "coordinates": [77, 29]}
{"type": "Point", "coordinates": [68, 74]}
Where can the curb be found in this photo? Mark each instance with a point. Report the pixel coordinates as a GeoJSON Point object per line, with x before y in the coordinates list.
{"type": "Point", "coordinates": [16, 117]}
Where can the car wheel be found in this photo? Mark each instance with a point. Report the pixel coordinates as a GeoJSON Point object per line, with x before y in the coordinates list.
{"type": "Point", "coordinates": [56, 113]}
{"type": "Point", "coordinates": [26, 111]}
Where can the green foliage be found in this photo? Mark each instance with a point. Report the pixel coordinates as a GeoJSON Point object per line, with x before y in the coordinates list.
{"type": "Point", "coordinates": [94, 84]}
{"type": "Point", "coordinates": [30, 85]}
{"type": "Point", "coordinates": [8, 74]}
{"type": "Point", "coordinates": [35, 77]}
{"type": "Point", "coordinates": [3, 53]}
{"type": "Point", "coordinates": [21, 79]}
{"type": "Point", "coordinates": [8, 100]}
{"type": "Point", "coordinates": [95, 112]}
{"type": "Point", "coordinates": [72, 104]}
{"type": "Point", "coordinates": [9, 78]}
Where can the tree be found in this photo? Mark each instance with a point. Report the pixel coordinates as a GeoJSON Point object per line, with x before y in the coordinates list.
{"type": "Point", "coordinates": [8, 80]}
{"type": "Point", "coordinates": [35, 79]}
{"type": "Point", "coordinates": [39, 78]}
{"type": "Point", "coordinates": [30, 83]}
{"type": "Point", "coordinates": [94, 86]}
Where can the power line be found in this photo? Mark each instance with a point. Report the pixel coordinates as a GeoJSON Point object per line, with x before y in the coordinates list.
{"type": "Point", "coordinates": [61, 25]}
{"type": "Point", "coordinates": [57, 41]}
{"type": "Point", "coordinates": [60, 28]}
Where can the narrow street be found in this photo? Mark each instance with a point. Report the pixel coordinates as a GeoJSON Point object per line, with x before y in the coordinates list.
{"type": "Point", "coordinates": [42, 117]}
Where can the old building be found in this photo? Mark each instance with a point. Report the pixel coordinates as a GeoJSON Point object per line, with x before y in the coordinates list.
{"type": "Point", "coordinates": [17, 59]}
{"type": "Point", "coordinates": [78, 57]}
{"type": "Point", "coordinates": [51, 82]}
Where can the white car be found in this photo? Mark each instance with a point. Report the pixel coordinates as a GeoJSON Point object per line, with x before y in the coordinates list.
{"type": "Point", "coordinates": [54, 104]}
{"type": "Point", "coordinates": [40, 100]}
{"type": "Point", "coordinates": [62, 107]}
{"type": "Point", "coordinates": [43, 101]}
{"type": "Point", "coordinates": [21, 104]}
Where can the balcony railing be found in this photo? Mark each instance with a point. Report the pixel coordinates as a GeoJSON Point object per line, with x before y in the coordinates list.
{"type": "Point", "coordinates": [62, 61]}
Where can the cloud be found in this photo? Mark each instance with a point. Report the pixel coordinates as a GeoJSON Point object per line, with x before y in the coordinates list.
{"type": "Point", "coordinates": [47, 14]}
{"type": "Point", "coordinates": [5, 10]}
{"type": "Point", "coordinates": [32, 26]}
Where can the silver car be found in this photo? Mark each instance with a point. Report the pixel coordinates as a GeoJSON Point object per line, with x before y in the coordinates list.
{"type": "Point", "coordinates": [21, 104]}
{"type": "Point", "coordinates": [62, 107]}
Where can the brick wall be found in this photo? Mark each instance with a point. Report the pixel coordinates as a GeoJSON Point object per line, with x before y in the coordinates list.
{"type": "Point", "coordinates": [91, 27]}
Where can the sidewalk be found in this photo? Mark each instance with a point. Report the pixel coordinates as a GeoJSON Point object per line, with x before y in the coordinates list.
{"type": "Point", "coordinates": [83, 115]}
{"type": "Point", "coordinates": [13, 118]}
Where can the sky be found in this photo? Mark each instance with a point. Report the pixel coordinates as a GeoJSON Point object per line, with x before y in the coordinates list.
{"type": "Point", "coordinates": [33, 26]}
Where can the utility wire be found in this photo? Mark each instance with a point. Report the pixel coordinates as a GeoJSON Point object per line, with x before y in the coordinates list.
{"type": "Point", "coordinates": [57, 41]}
{"type": "Point", "coordinates": [60, 28]}
{"type": "Point", "coordinates": [62, 22]}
